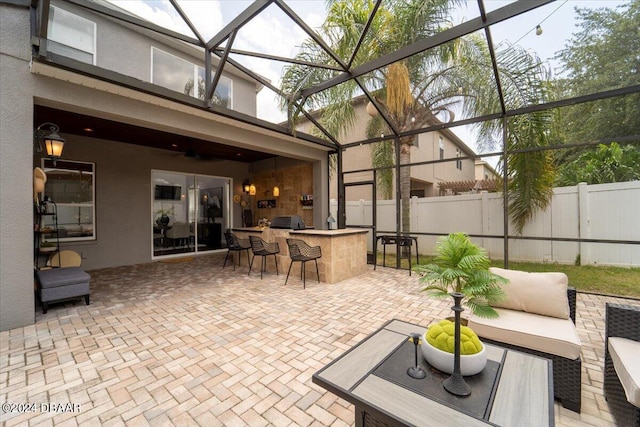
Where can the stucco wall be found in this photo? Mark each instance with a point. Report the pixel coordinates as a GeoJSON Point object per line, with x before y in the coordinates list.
{"type": "Point", "coordinates": [113, 36]}
{"type": "Point", "coordinates": [123, 201]}
{"type": "Point", "coordinates": [426, 148]}
{"type": "Point", "coordinates": [16, 155]}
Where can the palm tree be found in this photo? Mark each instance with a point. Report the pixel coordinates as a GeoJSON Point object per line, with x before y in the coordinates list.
{"type": "Point", "coordinates": [423, 89]}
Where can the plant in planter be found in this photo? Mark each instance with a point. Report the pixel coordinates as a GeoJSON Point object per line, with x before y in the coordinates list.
{"type": "Point", "coordinates": [163, 220]}
{"type": "Point", "coordinates": [460, 270]}
{"type": "Point", "coordinates": [463, 267]}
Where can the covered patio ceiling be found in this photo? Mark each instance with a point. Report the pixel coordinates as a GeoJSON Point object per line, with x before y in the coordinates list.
{"type": "Point", "coordinates": [101, 128]}
{"type": "Point", "coordinates": [226, 35]}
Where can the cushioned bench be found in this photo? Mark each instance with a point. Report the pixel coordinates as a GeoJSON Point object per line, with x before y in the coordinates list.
{"type": "Point", "coordinates": [621, 368]}
{"type": "Point", "coordinates": [538, 317]}
{"type": "Point", "coordinates": [59, 284]}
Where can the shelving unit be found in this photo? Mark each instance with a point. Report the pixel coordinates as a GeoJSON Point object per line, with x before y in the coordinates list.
{"type": "Point", "coordinates": [306, 200]}
{"type": "Point", "coordinates": [45, 230]}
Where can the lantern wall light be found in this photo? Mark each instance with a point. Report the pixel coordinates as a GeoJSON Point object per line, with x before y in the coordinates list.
{"type": "Point", "coordinates": [52, 141]}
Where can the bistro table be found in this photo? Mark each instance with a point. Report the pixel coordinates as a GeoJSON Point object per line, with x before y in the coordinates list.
{"type": "Point", "coordinates": [515, 389]}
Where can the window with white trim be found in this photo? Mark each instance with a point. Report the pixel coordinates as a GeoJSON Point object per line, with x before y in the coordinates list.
{"type": "Point", "coordinates": [458, 159]}
{"type": "Point", "coordinates": [70, 185]}
{"type": "Point", "coordinates": [71, 35]}
{"type": "Point", "coordinates": [178, 74]}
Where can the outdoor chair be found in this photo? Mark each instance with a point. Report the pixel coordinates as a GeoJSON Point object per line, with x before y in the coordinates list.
{"type": "Point", "coordinates": [538, 317]}
{"type": "Point", "coordinates": [179, 232]}
{"type": "Point", "coordinates": [621, 373]}
{"type": "Point", "coordinates": [263, 249]}
{"type": "Point", "coordinates": [235, 244]}
{"type": "Point", "coordinates": [302, 252]}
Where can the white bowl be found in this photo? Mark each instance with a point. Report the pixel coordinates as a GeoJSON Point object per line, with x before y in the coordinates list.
{"type": "Point", "coordinates": [470, 364]}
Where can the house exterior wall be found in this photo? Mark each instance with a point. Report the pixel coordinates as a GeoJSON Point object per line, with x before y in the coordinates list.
{"type": "Point", "coordinates": [113, 36]}
{"type": "Point", "coordinates": [423, 177]}
{"type": "Point", "coordinates": [16, 157]}
{"type": "Point", "coordinates": [484, 170]}
{"type": "Point", "coordinates": [123, 172]}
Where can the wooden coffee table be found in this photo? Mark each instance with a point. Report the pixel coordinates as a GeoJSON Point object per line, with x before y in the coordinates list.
{"type": "Point", "coordinates": [372, 375]}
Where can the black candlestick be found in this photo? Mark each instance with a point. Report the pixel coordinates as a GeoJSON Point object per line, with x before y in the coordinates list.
{"type": "Point", "coordinates": [416, 371]}
{"type": "Point", "coordinates": [455, 384]}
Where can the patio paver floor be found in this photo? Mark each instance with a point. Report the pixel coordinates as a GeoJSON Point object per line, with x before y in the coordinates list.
{"type": "Point", "coordinates": [189, 343]}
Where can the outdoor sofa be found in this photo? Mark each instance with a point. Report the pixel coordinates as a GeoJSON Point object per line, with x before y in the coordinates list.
{"type": "Point", "coordinates": [621, 368]}
{"type": "Point", "coordinates": [538, 317]}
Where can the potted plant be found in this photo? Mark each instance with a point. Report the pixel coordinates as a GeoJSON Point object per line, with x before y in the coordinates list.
{"type": "Point", "coordinates": [438, 347]}
{"type": "Point", "coordinates": [163, 220]}
{"type": "Point", "coordinates": [463, 267]}
{"type": "Point", "coordinates": [460, 270]}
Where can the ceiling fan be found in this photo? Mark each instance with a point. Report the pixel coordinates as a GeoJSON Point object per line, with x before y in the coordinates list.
{"type": "Point", "coordinates": [191, 153]}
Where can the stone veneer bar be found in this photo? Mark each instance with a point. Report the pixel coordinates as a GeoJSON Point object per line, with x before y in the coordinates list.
{"type": "Point", "coordinates": [344, 252]}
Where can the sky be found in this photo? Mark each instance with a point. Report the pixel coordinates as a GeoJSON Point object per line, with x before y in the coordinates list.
{"type": "Point", "coordinates": [274, 33]}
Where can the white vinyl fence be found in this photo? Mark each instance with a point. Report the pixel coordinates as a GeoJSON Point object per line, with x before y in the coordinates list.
{"type": "Point", "coordinates": [602, 212]}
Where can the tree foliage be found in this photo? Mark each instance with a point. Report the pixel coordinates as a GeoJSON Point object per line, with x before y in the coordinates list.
{"type": "Point", "coordinates": [425, 88]}
{"type": "Point", "coordinates": [603, 55]}
{"type": "Point", "coordinates": [607, 163]}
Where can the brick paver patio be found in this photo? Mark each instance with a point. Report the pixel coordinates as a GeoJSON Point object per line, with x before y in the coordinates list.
{"type": "Point", "coordinates": [192, 344]}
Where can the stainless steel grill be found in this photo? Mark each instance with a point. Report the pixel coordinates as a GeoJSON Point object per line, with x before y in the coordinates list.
{"type": "Point", "coordinates": [291, 222]}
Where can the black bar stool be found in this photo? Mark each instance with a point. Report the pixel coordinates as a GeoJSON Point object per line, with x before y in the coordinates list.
{"type": "Point", "coordinates": [301, 251]}
{"type": "Point", "coordinates": [262, 248]}
{"type": "Point", "coordinates": [235, 244]}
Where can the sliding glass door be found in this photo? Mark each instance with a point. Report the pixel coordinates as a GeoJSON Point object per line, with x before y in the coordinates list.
{"type": "Point", "coordinates": [189, 212]}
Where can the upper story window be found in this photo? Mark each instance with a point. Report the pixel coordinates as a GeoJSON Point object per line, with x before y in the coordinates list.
{"type": "Point", "coordinates": [71, 35]}
{"type": "Point", "coordinates": [441, 146]}
{"type": "Point", "coordinates": [177, 74]}
{"type": "Point", "coordinates": [458, 160]}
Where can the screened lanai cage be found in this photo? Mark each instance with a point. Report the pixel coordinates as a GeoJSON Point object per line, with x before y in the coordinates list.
{"type": "Point", "coordinates": [517, 122]}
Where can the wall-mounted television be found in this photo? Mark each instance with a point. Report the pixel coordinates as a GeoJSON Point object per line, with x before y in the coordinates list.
{"type": "Point", "coordinates": [168, 192]}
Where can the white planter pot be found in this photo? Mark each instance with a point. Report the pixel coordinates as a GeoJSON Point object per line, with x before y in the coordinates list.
{"type": "Point", "coordinates": [470, 364]}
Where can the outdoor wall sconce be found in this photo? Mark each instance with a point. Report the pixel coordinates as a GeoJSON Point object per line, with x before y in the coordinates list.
{"type": "Point", "coordinates": [246, 186]}
{"type": "Point", "coordinates": [53, 143]}
{"type": "Point", "coordinates": [252, 190]}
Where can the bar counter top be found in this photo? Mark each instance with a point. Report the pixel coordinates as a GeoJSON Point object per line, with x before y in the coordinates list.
{"type": "Point", "coordinates": [344, 252]}
{"type": "Point", "coordinates": [309, 231]}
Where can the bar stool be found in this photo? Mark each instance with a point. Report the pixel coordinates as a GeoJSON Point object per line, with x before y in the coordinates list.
{"type": "Point", "coordinates": [301, 251]}
{"type": "Point", "coordinates": [262, 248]}
{"type": "Point", "coordinates": [235, 244]}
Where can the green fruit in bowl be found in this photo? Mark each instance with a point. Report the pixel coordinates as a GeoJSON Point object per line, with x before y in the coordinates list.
{"type": "Point", "coordinates": [441, 336]}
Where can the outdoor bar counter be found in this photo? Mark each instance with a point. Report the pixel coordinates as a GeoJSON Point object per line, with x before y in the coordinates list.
{"type": "Point", "coordinates": [344, 252]}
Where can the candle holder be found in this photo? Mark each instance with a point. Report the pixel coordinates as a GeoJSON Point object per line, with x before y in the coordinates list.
{"type": "Point", "coordinates": [416, 371]}
{"type": "Point", "coordinates": [455, 384]}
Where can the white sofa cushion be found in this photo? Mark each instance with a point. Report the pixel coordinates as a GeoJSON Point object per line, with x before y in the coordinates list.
{"type": "Point", "coordinates": [624, 354]}
{"type": "Point", "coordinates": [539, 293]}
{"type": "Point", "coordinates": [543, 333]}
